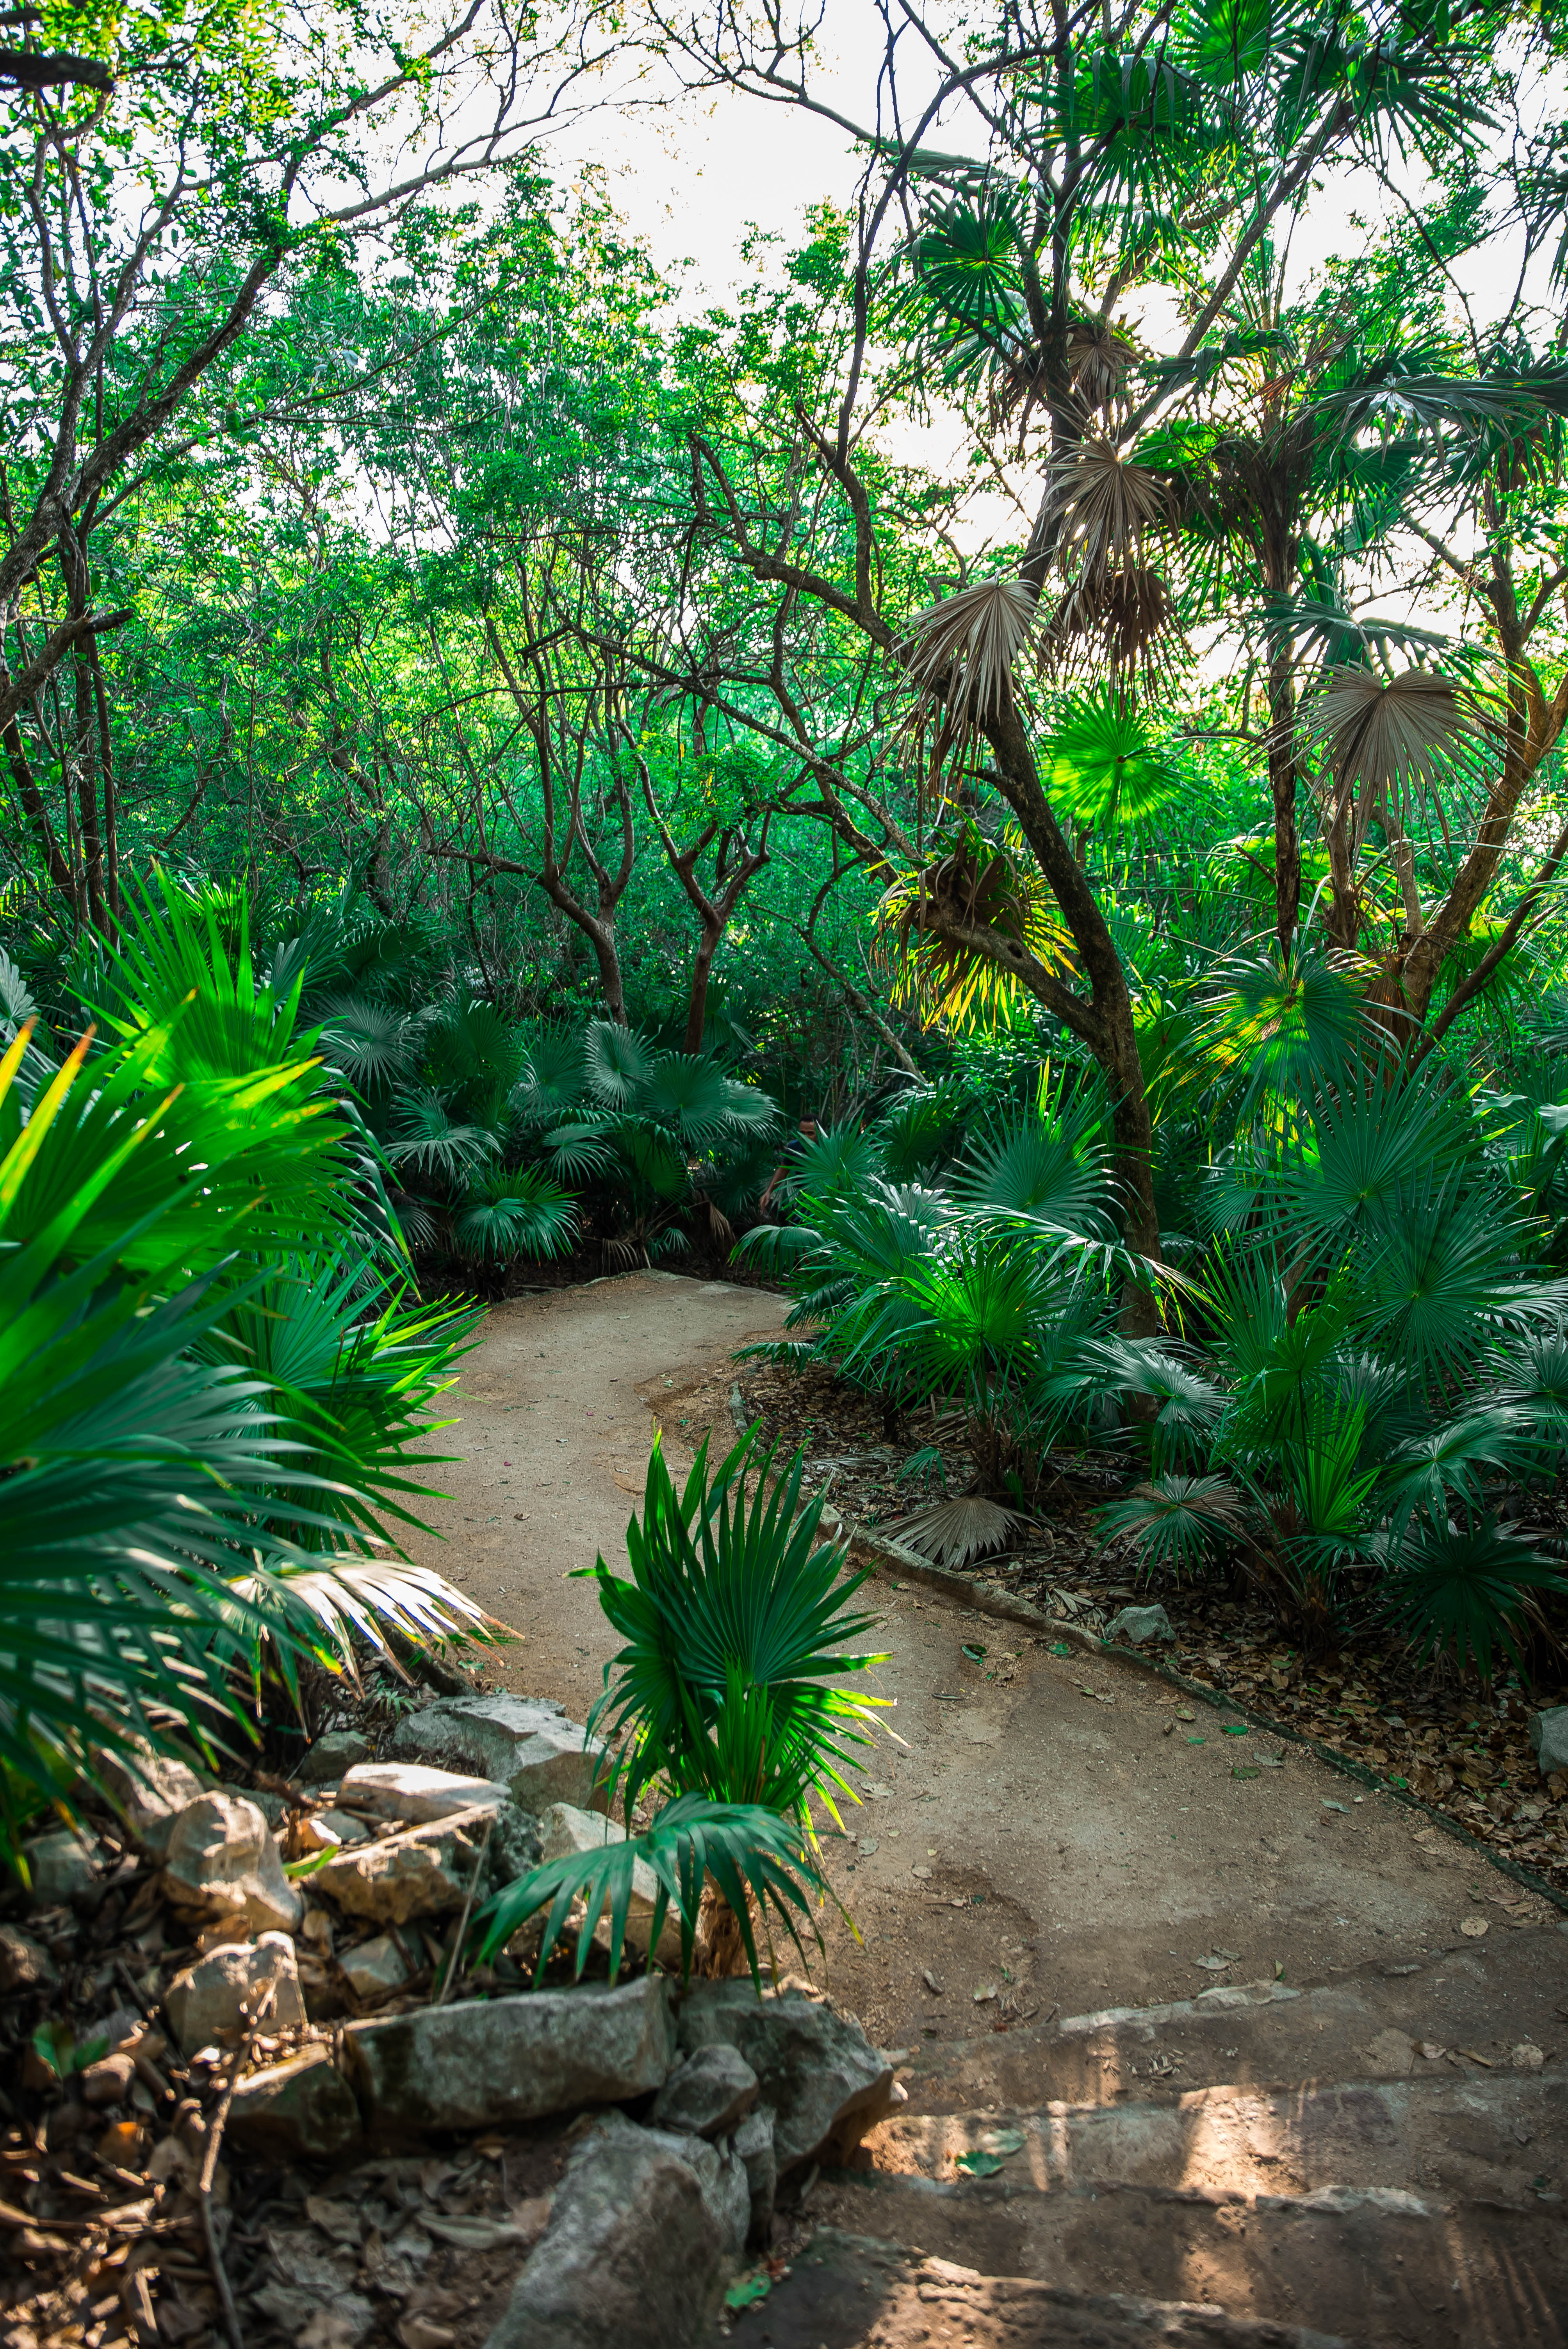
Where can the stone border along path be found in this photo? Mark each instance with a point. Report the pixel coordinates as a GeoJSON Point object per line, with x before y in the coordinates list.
{"type": "Point", "coordinates": [1026, 1855]}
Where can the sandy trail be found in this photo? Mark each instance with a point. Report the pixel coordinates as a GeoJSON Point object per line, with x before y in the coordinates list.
{"type": "Point", "coordinates": [1047, 1828]}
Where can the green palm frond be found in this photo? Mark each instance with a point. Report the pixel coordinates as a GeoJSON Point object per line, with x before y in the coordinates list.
{"type": "Point", "coordinates": [372, 1043]}
{"type": "Point", "coordinates": [554, 1078]}
{"type": "Point", "coordinates": [1466, 1595]}
{"type": "Point", "coordinates": [758, 1860]}
{"type": "Point", "coordinates": [424, 1137]}
{"type": "Point", "coordinates": [735, 1622]}
{"type": "Point", "coordinates": [1440, 1268]}
{"type": "Point", "coordinates": [1279, 1027]}
{"type": "Point", "coordinates": [617, 1059]}
{"type": "Point", "coordinates": [522, 1214]}
{"type": "Point", "coordinates": [1175, 1523]}
{"type": "Point", "coordinates": [1051, 1168]}
{"type": "Point", "coordinates": [1100, 767]}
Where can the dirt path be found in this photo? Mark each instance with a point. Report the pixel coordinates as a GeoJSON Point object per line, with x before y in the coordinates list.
{"type": "Point", "coordinates": [1050, 1830]}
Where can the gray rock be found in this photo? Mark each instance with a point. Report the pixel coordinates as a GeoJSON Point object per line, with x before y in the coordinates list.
{"type": "Point", "coordinates": [230, 1987]}
{"type": "Point", "coordinates": [272, 1807]}
{"type": "Point", "coordinates": [1549, 1737]}
{"type": "Point", "coordinates": [303, 2110]}
{"type": "Point", "coordinates": [331, 1755]}
{"type": "Point", "coordinates": [339, 1826]}
{"type": "Point", "coordinates": [707, 2095]}
{"type": "Point", "coordinates": [514, 1844]}
{"type": "Point", "coordinates": [636, 2251]}
{"type": "Point", "coordinates": [23, 1964]}
{"type": "Point", "coordinates": [1140, 1625]}
{"type": "Point", "coordinates": [565, 1830]}
{"type": "Point", "coordinates": [527, 1743]}
{"type": "Point", "coordinates": [826, 2083]}
{"type": "Point", "coordinates": [222, 1861]}
{"type": "Point", "coordinates": [415, 1793]}
{"type": "Point", "coordinates": [149, 1791]}
{"type": "Point", "coordinates": [500, 2060]}
{"type": "Point", "coordinates": [375, 1967]}
{"type": "Point", "coordinates": [424, 1872]}
{"type": "Point", "coordinates": [66, 1867]}
{"type": "Point", "coordinates": [752, 2146]}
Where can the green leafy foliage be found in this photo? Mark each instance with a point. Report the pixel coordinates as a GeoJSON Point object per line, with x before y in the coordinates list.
{"type": "Point", "coordinates": [735, 1618]}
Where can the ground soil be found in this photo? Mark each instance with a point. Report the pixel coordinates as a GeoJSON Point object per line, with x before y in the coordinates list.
{"type": "Point", "coordinates": [1036, 1832]}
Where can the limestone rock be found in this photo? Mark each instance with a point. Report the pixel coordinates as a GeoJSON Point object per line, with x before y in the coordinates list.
{"type": "Point", "coordinates": [376, 1967]}
{"type": "Point", "coordinates": [563, 1829]}
{"type": "Point", "coordinates": [634, 2254]}
{"type": "Point", "coordinates": [303, 2110]}
{"type": "Point", "coordinates": [413, 1791]}
{"type": "Point", "coordinates": [330, 1757]}
{"type": "Point", "coordinates": [500, 2060]}
{"type": "Point", "coordinates": [424, 1872]}
{"type": "Point", "coordinates": [752, 2146]}
{"type": "Point", "coordinates": [337, 1826]}
{"type": "Point", "coordinates": [149, 1791]}
{"type": "Point", "coordinates": [66, 1867]}
{"type": "Point", "coordinates": [222, 1861]}
{"type": "Point", "coordinates": [514, 1844]}
{"type": "Point", "coordinates": [24, 1965]}
{"type": "Point", "coordinates": [1549, 1736]}
{"type": "Point", "coordinates": [707, 2095]}
{"type": "Point", "coordinates": [230, 1987]}
{"type": "Point", "coordinates": [826, 2083]}
{"type": "Point", "coordinates": [526, 1742]}
{"type": "Point", "coordinates": [1140, 1625]}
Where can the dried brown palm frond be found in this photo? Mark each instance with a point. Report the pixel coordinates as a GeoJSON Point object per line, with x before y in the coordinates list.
{"type": "Point", "coordinates": [1098, 356]}
{"type": "Point", "coordinates": [955, 1530]}
{"type": "Point", "coordinates": [961, 660]}
{"type": "Point", "coordinates": [1123, 619]}
{"type": "Point", "coordinates": [1385, 743]}
{"type": "Point", "coordinates": [1106, 509]}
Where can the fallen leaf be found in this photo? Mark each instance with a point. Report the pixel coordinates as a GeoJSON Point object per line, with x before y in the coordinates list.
{"type": "Point", "coordinates": [1472, 1928]}
{"type": "Point", "coordinates": [749, 2289]}
{"type": "Point", "coordinates": [1430, 2050]}
{"type": "Point", "coordinates": [1470, 2054]}
{"type": "Point", "coordinates": [977, 1654]}
{"type": "Point", "coordinates": [978, 2165]}
{"type": "Point", "coordinates": [1212, 1965]}
{"type": "Point", "coordinates": [1183, 1714]}
{"type": "Point", "coordinates": [338, 2220]}
{"type": "Point", "coordinates": [986, 1991]}
{"type": "Point", "coordinates": [1245, 1770]}
{"type": "Point", "coordinates": [417, 2331]}
{"type": "Point", "coordinates": [924, 1874]}
{"type": "Point", "coordinates": [1005, 2141]}
{"type": "Point", "coordinates": [931, 1985]}
{"type": "Point", "coordinates": [1168, 1728]}
{"type": "Point", "coordinates": [1336, 1807]}
{"type": "Point", "coordinates": [1234, 1729]}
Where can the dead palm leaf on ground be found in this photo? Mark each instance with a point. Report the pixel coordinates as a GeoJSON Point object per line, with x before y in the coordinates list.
{"type": "Point", "coordinates": [953, 1531]}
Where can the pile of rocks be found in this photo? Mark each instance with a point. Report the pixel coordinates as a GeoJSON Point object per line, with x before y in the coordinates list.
{"type": "Point", "coordinates": [293, 1950]}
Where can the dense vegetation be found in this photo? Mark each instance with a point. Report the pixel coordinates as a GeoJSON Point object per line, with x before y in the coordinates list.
{"type": "Point", "coordinates": [491, 750]}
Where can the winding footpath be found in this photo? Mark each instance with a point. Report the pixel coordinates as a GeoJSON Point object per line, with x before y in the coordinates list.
{"type": "Point", "coordinates": [1203, 2022]}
